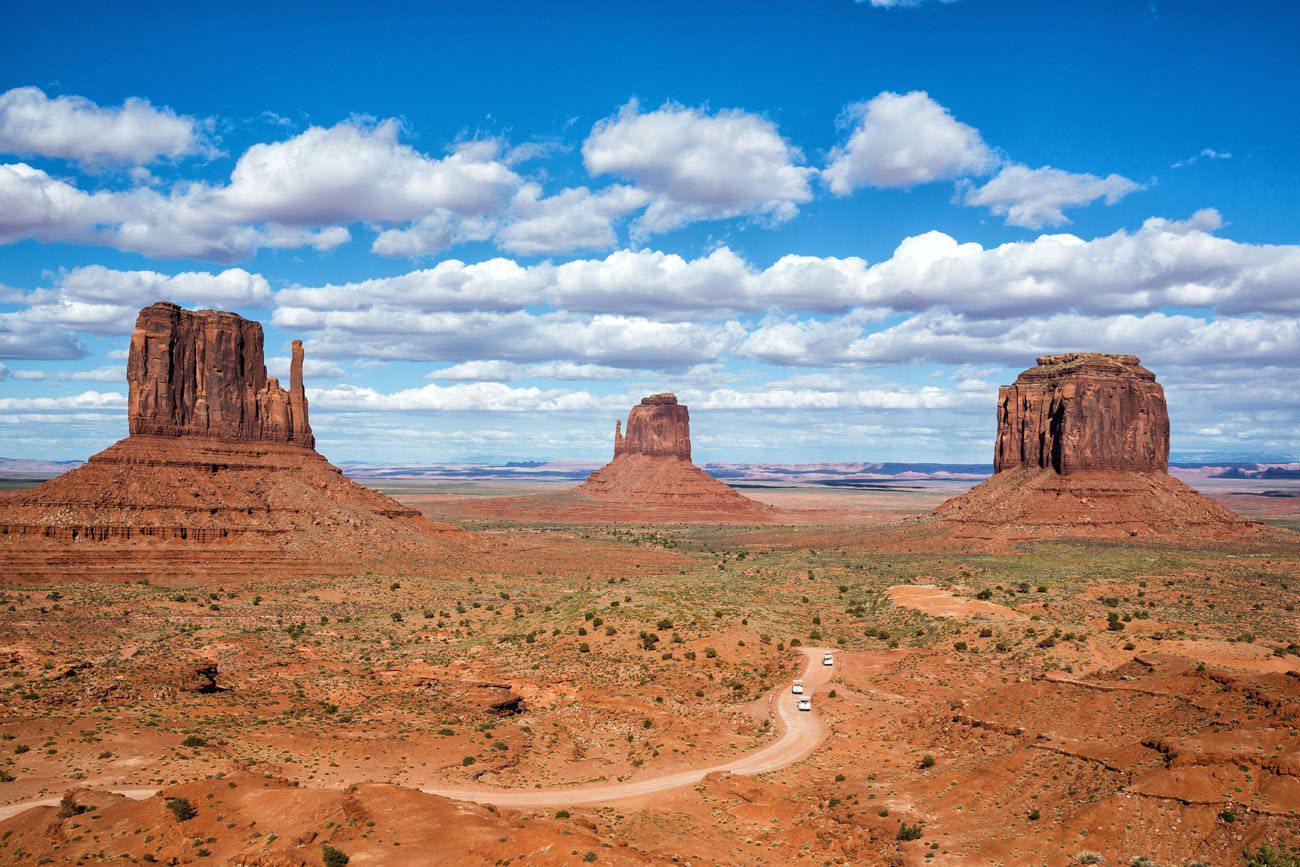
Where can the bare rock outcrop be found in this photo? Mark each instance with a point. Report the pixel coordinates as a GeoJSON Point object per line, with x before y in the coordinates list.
{"type": "Point", "coordinates": [203, 374]}
{"type": "Point", "coordinates": [652, 467]}
{"type": "Point", "coordinates": [219, 458]}
{"type": "Point", "coordinates": [1083, 411]}
{"type": "Point", "coordinates": [1083, 450]}
{"type": "Point", "coordinates": [658, 426]}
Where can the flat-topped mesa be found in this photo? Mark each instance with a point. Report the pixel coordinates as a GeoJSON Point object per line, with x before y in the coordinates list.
{"type": "Point", "coordinates": [1083, 411]}
{"type": "Point", "coordinates": [203, 373]}
{"type": "Point", "coordinates": [658, 426]}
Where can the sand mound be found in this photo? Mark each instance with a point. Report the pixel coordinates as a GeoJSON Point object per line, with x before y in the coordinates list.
{"type": "Point", "coordinates": [1036, 503]}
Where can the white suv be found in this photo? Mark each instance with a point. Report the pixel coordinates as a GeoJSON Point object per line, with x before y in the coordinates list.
{"type": "Point", "coordinates": [827, 659]}
{"type": "Point", "coordinates": [797, 689]}
{"type": "Point", "coordinates": [805, 703]}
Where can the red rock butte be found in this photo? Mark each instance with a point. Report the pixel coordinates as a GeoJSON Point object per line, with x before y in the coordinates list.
{"type": "Point", "coordinates": [1083, 450]}
{"type": "Point", "coordinates": [202, 374]}
{"type": "Point", "coordinates": [219, 458]}
{"type": "Point", "coordinates": [652, 466]}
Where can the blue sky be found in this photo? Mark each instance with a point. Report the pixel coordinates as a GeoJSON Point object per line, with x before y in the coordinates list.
{"type": "Point", "coordinates": [832, 227]}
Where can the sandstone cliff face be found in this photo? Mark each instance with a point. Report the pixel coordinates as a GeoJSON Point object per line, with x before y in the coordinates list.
{"type": "Point", "coordinates": [203, 374]}
{"type": "Point", "coordinates": [658, 426]}
{"type": "Point", "coordinates": [1083, 411]}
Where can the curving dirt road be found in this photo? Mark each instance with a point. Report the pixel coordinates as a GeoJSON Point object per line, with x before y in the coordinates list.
{"type": "Point", "coordinates": [801, 734]}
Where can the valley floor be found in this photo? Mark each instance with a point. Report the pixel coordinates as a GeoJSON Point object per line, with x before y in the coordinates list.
{"type": "Point", "coordinates": [1042, 705]}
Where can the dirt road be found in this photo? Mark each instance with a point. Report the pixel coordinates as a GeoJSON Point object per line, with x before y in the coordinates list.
{"type": "Point", "coordinates": [801, 733]}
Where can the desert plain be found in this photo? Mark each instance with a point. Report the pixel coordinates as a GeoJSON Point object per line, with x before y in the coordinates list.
{"type": "Point", "coordinates": [983, 707]}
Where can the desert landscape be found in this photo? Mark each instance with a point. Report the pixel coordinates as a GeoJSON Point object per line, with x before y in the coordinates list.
{"type": "Point", "coordinates": [217, 646]}
{"type": "Point", "coordinates": [852, 433]}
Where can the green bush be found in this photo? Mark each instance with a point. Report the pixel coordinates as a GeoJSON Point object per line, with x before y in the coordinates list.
{"type": "Point", "coordinates": [182, 809]}
{"type": "Point", "coordinates": [909, 832]}
{"type": "Point", "coordinates": [1268, 855]}
{"type": "Point", "coordinates": [333, 857]}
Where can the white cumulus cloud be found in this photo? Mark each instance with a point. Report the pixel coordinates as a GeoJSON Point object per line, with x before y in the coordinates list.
{"type": "Point", "coordinates": [1034, 198]}
{"type": "Point", "coordinates": [700, 166]}
{"type": "Point", "coordinates": [74, 128]}
{"type": "Point", "coordinates": [901, 140]}
{"type": "Point", "coordinates": [463, 397]}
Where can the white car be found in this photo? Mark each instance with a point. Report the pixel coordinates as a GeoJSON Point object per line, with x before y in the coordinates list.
{"type": "Point", "coordinates": [797, 689]}
{"type": "Point", "coordinates": [827, 659]}
{"type": "Point", "coordinates": [805, 703]}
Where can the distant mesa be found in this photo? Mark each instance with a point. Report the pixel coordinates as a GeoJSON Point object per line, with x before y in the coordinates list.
{"type": "Point", "coordinates": [1083, 450]}
{"type": "Point", "coordinates": [652, 465]}
{"type": "Point", "coordinates": [651, 478]}
{"type": "Point", "coordinates": [218, 452]}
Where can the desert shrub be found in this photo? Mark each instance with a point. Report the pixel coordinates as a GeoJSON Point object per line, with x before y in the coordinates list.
{"type": "Point", "coordinates": [927, 762]}
{"type": "Point", "coordinates": [182, 809]}
{"type": "Point", "coordinates": [194, 741]}
{"type": "Point", "coordinates": [561, 814]}
{"type": "Point", "coordinates": [711, 652]}
{"type": "Point", "coordinates": [1228, 815]}
{"type": "Point", "coordinates": [1034, 815]}
{"type": "Point", "coordinates": [984, 594]}
{"type": "Point", "coordinates": [333, 857]}
{"type": "Point", "coordinates": [1268, 855]}
{"type": "Point", "coordinates": [68, 807]}
{"type": "Point", "coordinates": [909, 832]}
{"type": "Point", "coordinates": [584, 647]}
